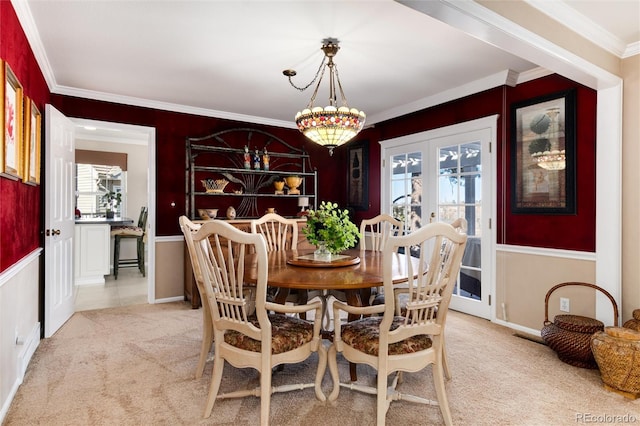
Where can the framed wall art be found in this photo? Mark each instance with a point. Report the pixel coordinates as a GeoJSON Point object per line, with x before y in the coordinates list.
{"type": "Point", "coordinates": [32, 131]}
{"type": "Point", "coordinates": [357, 180]}
{"type": "Point", "coordinates": [543, 155]}
{"type": "Point", "coordinates": [11, 163]}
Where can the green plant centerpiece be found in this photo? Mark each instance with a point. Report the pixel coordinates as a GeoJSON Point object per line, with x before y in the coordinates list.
{"type": "Point", "coordinates": [330, 228]}
{"type": "Point", "coordinates": [110, 201]}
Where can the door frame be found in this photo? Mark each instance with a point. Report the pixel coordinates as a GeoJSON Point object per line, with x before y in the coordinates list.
{"type": "Point", "coordinates": [489, 123]}
{"type": "Point", "coordinates": [131, 131]}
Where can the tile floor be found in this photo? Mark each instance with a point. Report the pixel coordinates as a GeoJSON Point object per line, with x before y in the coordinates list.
{"type": "Point", "coordinates": [129, 289]}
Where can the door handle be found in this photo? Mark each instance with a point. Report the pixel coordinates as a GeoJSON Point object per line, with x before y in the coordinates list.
{"type": "Point", "coordinates": [50, 232]}
{"type": "Point", "coordinates": [432, 216]}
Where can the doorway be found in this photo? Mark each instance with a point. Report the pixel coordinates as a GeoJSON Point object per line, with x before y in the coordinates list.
{"type": "Point", "coordinates": [138, 143]}
{"type": "Point", "coordinates": [439, 176]}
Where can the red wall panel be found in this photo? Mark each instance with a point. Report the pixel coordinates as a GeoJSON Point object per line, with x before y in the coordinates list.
{"type": "Point", "coordinates": [569, 231]}
{"type": "Point", "coordinates": [535, 230]}
{"type": "Point", "coordinates": [20, 204]}
{"type": "Point", "coordinates": [172, 129]}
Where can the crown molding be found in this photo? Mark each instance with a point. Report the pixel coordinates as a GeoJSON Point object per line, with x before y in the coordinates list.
{"type": "Point", "coordinates": [23, 11]}
{"type": "Point", "coordinates": [508, 77]}
{"type": "Point", "coordinates": [631, 50]}
{"type": "Point", "coordinates": [167, 106]}
{"type": "Point", "coordinates": [533, 74]}
{"type": "Point", "coordinates": [585, 27]}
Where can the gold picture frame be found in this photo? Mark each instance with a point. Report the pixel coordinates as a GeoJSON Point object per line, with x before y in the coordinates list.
{"type": "Point", "coordinates": [11, 164]}
{"type": "Point", "coordinates": [32, 136]}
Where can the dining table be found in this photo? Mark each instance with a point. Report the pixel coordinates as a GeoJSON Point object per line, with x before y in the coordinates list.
{"type": "Point", "coordinates": [353, 271]}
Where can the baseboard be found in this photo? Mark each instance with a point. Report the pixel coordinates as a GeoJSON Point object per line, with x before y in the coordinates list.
{"type": "Point", "coordinates": [516, 327]}
{"type": "Point", "coordinates": [30, 346]}
{"type": "Point", "coordinates": [170, 299]}
{"type": "Point", "coordinates": [24, 357]}
{"type": "Point", "coordinates": [9, 400]}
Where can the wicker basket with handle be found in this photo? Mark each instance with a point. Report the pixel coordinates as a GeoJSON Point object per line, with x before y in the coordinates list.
{"type": "Point", "coordinates": [570, 335]}
{"type": "Point", "coordinates": [617, 352]}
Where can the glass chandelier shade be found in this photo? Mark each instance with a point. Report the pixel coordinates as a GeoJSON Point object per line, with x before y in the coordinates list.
{"type": "Point", "coordinates": [550, 160]}
{"type": "Point", "coordinates": [330, 126]}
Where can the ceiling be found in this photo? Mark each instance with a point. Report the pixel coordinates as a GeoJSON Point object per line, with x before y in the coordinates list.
{"type": "Point", "coordinates": [225, 58]}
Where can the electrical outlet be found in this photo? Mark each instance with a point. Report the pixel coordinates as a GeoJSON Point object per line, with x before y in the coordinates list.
{"type": "Point", "coordinates": [564, 304]}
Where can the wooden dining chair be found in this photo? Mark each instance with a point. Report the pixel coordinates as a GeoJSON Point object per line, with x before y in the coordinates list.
{"type": "Point", "coordinates": [280, 234]}
{"type": "Point", "coordinates": [188, 227]}
{"type": "Point", "coordinates": [411, 342]}
{"type": "Point", "coordinates": [263, 341]}
{"type": "Point", "coordinates": [460, 225]}
{"type": "Point", "coordinates": [376, 231]}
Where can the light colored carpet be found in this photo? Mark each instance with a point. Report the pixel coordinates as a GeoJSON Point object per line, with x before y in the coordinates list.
{"type": "Point", "coordinates": [135, 365]}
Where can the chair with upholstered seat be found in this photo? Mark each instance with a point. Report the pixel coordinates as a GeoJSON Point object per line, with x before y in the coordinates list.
{"type": "Point", "coordinates": [408, 343]}
{"type": "Point", "coordinates": [128, 232]}
{"type": "Point", "coordinates": [263, 341]}
{"type": "Point", "coordinates": [459, 225]}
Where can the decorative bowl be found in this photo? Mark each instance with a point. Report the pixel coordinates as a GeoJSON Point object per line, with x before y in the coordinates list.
{"type": "Point", "coordinates": [206, 214]}
{"type": "Point", "coordinates": [214, 185]}
{"type": "Point", "coordinates": [293, 182]}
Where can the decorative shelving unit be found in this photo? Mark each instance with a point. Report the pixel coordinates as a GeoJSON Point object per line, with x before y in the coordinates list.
{"type": "Point", "coordinates": [221, 156]}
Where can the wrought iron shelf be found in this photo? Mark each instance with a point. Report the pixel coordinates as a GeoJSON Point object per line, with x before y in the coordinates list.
{"type": "Point", "coordinates": [214, 169]}
{"type": "Point", "coordinates": [231, 194]}
{"type": "Point", "coordinates": [222, 154]}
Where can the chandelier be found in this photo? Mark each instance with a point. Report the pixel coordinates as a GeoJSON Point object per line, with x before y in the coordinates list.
{"type": "Point", "coordinates": [332, 125]}
{"type": "Point", "coordinates": [549, 159]}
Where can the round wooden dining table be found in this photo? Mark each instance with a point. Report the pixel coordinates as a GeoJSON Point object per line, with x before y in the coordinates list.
{"type": "Point", "coordinates": [356, 280]}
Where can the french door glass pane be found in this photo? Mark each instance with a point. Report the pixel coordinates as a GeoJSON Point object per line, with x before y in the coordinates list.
{"type": "Point", "coordinates": [406, 189]}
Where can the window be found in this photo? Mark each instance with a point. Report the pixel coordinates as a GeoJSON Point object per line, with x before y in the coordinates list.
{"type": "Point", "coordinates": [92, 182]}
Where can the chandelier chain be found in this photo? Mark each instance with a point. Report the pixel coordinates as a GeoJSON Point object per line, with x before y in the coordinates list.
{"type": "Point", "coordinates": [318, 73]}
{"type": "Point", "coordinates": [344, 98]}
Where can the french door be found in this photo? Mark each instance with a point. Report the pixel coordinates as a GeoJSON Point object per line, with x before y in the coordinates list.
{"type": "Point", "coordinates": [442, 175]}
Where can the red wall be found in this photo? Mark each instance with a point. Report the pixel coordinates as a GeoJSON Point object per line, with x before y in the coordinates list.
{"type": "Point", "coordinates": [20, 204]}
{"type": "Point", "coordinates": [570, 232]}
{"type": "Point", "coordinates": [172, 129]}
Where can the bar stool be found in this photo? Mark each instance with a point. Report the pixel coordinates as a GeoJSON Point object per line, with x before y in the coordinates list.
{"type": "Point", "coordinates": [139, 233]}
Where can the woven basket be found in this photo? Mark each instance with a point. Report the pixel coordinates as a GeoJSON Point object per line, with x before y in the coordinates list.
{"type": "Point", "coordinates": [570, 335]}
{"type": "Point", "coordinates": [634, 323]}
{"type": "Point", "coordinates": [617, 352]}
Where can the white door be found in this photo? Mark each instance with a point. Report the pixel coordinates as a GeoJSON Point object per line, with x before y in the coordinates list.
{"type": "Point", "coordinates": [441, 175]}
{"type": "Point", "coordinates": [59, 220]}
